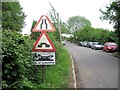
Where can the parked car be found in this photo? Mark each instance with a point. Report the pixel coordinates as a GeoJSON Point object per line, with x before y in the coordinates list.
{"type": "Point", "coordinates": [110, 47]}
{"type": "Point", "coordinates": [92, 45]}
{"type": "Point", "coordinates": [97, 46]}
{"type": "Point", "coordinates": [63, 42]}
{"type": "Point", "coordinates": [80, 43]}
{"type": "Point", "coordinates": [89, 44]}
{"type": "Point", "coordinates": [85, 44]}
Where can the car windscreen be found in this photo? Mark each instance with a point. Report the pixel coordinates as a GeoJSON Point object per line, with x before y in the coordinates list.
{"type": "Point", "coordinates": [112, 44]}
{"type": "Point", "coordinates": [96, 43]}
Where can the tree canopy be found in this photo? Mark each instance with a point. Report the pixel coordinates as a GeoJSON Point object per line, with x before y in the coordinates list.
{"type": "Point", "coordinates": [89, 33]}
{"type": "Point", "coordinates": [77, 22]}
{"type": "Point", "coordinates": [112, 14]}
{"type": "Point", "coordinates": [12, 16]}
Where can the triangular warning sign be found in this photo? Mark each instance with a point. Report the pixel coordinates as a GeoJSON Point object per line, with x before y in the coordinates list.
{"type": "Point", "coordinates": [43, 24]}
{"type": "Point", "coordinates": [43, 44]}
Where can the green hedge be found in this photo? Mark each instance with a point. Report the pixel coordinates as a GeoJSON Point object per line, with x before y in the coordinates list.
{"type": "Point", "coordinates": [16, 60]}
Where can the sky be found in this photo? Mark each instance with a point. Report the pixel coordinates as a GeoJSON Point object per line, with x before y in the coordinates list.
{"type": "Point", "coordinates": [90, 9]}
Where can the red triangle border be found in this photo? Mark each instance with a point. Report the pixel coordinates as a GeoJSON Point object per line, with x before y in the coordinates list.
{"type": "Point", "coordinates": [43, 50]}
{"type": "Point", "coordinates": [40, 30]}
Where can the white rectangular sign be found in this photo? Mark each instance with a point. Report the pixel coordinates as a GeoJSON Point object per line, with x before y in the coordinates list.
{"type": "Point", "coordinates": [43, 58]}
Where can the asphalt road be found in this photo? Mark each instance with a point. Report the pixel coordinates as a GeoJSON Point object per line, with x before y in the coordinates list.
{"type": "Point", "coordinates": [96, 69]}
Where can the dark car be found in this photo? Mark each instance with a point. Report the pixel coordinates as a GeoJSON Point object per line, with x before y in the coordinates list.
{"type": "Point", "coordinates": [110, 47]}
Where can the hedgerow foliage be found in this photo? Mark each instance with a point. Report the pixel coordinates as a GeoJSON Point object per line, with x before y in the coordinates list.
{"type": "Point", "coordinates": [18, 71]}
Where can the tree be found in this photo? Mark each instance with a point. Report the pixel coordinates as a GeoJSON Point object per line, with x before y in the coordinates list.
{"type": "Point", "coordinates": [17, 68]}
{"type": "Point", "coordinates": [34, 35]}
{"type": "Point", "coordinates": [85, 34]}
{"type": "Point", "coordinates": [77, 22]}
{"type": "Point", "coordinates": [89, 33]}
{"type": "Point", "coordinates": [112, 14]}
{"type": "Point", "coordinates": [64, 28]}
{"type": "Point", "coordinates": [12, 16]}
{"type": "Point", "coordinates": [54, 15]}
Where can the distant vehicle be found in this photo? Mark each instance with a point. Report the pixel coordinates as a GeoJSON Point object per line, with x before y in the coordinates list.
{"type": "Point", "coordinates": [85, 43]}
{"type": "Point", "coordinates": [94, 43]}
{"type": "Point", "coordinates": [89, 44]}
{"type": "Point", "coordinates": [80, 43]}
{"type": "Point", "coordinates": [110, 47]}
{"type": "Point", "coordinates": [97, 46]}
{"type": "Point", "coordinates": [63, 42]}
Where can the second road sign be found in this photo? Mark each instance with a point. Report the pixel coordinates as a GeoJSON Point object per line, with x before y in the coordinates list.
{"type": "Point", "coordinates": [43, 44]}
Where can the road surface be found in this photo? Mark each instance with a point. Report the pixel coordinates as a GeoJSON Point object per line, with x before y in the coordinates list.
{"type": "Point", "coordinates": [96, 69]}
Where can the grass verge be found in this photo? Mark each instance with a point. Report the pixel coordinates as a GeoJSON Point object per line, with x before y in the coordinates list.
{"type": "Point", "coordinates": [57, 76]}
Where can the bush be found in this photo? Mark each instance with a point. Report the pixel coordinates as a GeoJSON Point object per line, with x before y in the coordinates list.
{"type": "Point", "coordinates": [16, 60]}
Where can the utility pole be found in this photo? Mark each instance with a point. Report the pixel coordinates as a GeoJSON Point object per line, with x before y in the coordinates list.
{"type": "Point", "coordinates": [59, 29]}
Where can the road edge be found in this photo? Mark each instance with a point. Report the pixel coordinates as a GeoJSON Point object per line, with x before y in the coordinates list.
{"type": "Point", "coordinates": [73, 70]}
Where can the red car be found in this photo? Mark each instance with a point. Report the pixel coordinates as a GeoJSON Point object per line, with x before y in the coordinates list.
{"type": "Point", "coordinates": [110, 47]}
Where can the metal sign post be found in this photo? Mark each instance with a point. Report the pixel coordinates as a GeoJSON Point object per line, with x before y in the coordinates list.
{"type": "Point", "coordinates": [43, 73]}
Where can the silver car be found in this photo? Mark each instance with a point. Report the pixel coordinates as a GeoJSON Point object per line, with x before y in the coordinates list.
{"type": "Point", "coordinates": [97, 45]}
{"type": "Point", "coordinates": [85, 43]}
